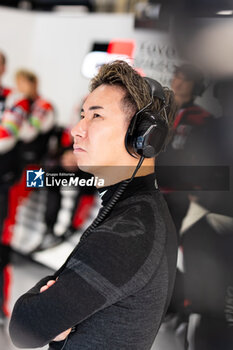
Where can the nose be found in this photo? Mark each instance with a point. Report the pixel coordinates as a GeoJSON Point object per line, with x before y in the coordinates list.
{"type": "Point", "coordinates": [80, 129]}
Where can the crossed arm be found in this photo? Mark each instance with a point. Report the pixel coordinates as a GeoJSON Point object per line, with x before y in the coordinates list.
{"type": "Point", "coordinates": [91, 281]}
{"type": "Point", "coordinates": [63, 335]}
{"type": "Point", "coordinates": [48, 311]}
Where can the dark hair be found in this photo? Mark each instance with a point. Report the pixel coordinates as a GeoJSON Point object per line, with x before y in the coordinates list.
{"type": "Point", "coordinates": [137, 91]}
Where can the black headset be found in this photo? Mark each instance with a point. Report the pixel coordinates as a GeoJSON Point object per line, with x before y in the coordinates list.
{"type": "Point", "coordinates": [148, 130]}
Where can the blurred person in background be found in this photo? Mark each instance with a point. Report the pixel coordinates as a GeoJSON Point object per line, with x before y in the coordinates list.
{"type": "Point", "coordinates": [35, 130]}
{"type": "Point", "coordinates": [216, 144]}
{"type": "Point", "coordinates": [204, 280]}
{"type": "Point", "coordinates": [6, 179]}
{"type": "Point", "coordinates": [4, 92]}
{"type": "Point", "coordinates": [183, 151]}
{"type": "Point", "coordinates": [187, 84]}
{"type": "Point", "coordinates": [25, 124]}
{"type": "Point", "coordinates": [208, 244]}
{"type": "Point", "coordinates": [28, 118]}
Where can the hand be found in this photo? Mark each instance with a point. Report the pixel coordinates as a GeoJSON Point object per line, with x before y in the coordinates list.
{"type": "Point", "coordinates": [49, 284]}
{"type": "Point", "coordinates": [63, 335]}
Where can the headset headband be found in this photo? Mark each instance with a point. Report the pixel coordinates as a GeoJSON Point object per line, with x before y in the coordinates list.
{"type": "Point", "coordinates": [156, 89]}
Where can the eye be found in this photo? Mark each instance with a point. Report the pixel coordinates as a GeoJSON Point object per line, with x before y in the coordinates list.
{"type": "Point", "coordinates": [81, 116]}
{"type": "Point", "coordinates": [95, 115]}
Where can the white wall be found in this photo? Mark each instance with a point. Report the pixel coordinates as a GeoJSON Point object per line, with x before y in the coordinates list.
{"type": "Point", "coordinates": [54, 45]}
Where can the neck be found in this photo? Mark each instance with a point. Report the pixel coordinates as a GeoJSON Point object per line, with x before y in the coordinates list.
{"type": "Point", "coordinates": [115, 174]}
{"type": "Point", "coordinates": [148, 167]}
{"type": "Point", "coordinates": [32, 95]}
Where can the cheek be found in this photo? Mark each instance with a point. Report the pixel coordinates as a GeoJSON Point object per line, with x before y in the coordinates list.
{"type": "Point", "coordinates": [108, 142]}
{"type": "Point", "coordinates": [118, 137]}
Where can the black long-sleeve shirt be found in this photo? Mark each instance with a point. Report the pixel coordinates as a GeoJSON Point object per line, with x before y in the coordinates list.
{"type": "Point", "coordinates": [116, 286]}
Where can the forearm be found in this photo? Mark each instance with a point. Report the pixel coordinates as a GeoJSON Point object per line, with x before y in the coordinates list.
{"type": "Point", "coordinates": [91, 281]}
{"type": "Point", "coordinates": [38, 318]}
{"type": "Point", "coordinates": [20, 316]}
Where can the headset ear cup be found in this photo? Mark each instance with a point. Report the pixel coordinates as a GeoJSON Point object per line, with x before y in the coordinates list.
{"type": "Point", "coordinates": [129, 139]}
{"type": "Point", "coordinates": [147, 131]}
{"type": "Point", "coordinates": [148, 151]}
{"type": "Point", "coordinates": [148, 137]}
{"type": "Point", "coordinates": [134, 139]}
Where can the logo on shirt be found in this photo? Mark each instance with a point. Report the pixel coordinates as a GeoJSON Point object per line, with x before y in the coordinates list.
{"type": "Point", "coordinates": [35, 178]}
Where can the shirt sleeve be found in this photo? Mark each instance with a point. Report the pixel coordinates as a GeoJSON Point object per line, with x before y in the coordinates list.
{"type": "Point", "coordinates": [42, 115]}
{"type": "Point", "coordinates": [105, 269]}
{"type": "Point", "coordinates": [12, 120]}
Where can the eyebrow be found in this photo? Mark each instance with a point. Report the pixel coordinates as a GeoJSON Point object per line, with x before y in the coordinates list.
{"type": "Point", "coordinates": [93, 107]}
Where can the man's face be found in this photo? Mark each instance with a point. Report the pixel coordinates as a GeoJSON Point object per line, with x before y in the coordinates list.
{"type": "Point", "coordinates": [99, 135]}
{"type": "Point", "coordinates": [181, 86]}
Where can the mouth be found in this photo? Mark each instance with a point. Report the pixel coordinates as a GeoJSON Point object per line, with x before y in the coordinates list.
{"type": "Point", "coordinates": [78, 149]}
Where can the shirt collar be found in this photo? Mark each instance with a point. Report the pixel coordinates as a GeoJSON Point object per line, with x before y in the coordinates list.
{"type": "Point", "coordinates": [138, 184]}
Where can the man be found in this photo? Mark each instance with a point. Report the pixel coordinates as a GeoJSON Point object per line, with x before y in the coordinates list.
{"type": "Point", "coordinates": [113, 291]}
